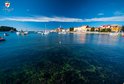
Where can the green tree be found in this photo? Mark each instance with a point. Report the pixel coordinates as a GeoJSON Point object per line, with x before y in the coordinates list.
{"type": "Point", "coordinates": [6, 28]}
{"type": "Point", "coordinates": [102, 30]}
{"type": "Point", "coordinates": [108, 30]}
{"type": "Point", "coordinates": [122, 28]}
{"type": "Point", "coordinates": [71, 29]}
{"type": "Point", "coordinates": [92, 29]}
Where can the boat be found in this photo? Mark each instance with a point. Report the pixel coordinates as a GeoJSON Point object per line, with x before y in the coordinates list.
{"type": "Point", "coordinates": [2, 39]}
{"type": "Point", "coordinates": [63, 32]}
{"type": "Point", "coordinates": [5, 34]}
{"type": "Point", "coordinates": [39, 32]}
{"type": "Point", "coordinates": [45, 33]}
{"type": "Point", "coordinates": [18, 33]}
{"type": "Point", "coordinates": [22, 32]}
{"type": "Point", "coordinates": [122, 34]}
{"type": "Point", "coordinates": [26, 33]}
{"type": "Point", "coordinates": [11, 30]}
{"type": "Point", "coordinates": [114, 34]}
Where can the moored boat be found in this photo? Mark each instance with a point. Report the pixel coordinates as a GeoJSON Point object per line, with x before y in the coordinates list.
{"type": "Point", "coordinates": [5, 34]}
{"type": "Point", "coordinates": [2, 39]}
{"type": "Point", "coordinates": [122, 34]}
{"type": "Point", "coordinates": [26, 32]}
{"type": "Point", "coordinates": [18, 33]}
{"type": "Point", "coordinates": [22, 32]}
{"type": "Point", "coordinates": [45, 32]}
{"type": "Point", "coordinates": [114, 34]}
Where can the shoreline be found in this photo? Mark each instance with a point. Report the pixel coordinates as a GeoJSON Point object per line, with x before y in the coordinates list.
{"type": "Point", "coordinates": [90, 32]}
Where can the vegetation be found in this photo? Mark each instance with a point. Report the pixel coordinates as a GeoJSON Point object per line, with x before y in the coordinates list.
{"type": "Point", "coordinates": [6, 28]}
{"type": "Point", "coordinates": [71, 29]}
{"type": "Point", "coordinates": [105, 30]}
{"type": "Point", "coordinates": [92, 29]}
{"type": "Point", "coordinates": [122, 29]}
{"type": "Point", "coordinates": [61, 66]}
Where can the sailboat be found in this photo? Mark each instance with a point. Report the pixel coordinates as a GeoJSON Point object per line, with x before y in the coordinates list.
{"type": "Point", "coordinates": [22, 32]}
{"type": "Point", "coordinates": [62, 31]}
{"type": "Point", "coordinates": [113, 34]}
{"type": "Point", "coordinates": [45, 32]}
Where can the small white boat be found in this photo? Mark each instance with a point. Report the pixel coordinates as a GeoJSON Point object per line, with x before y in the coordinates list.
{"type": "Point", "coordinates": [114, 34]}
{"type": "Point", "coordinates": [5, 34]}
{"type": "Point", "coordinates": [61, 32]}
{"type": "Point", "coordinates": [26, 32]}
{"type": "Point", "coordinates": [45, 33]}
{"type": "Point", "coordinates": [22, 33]}
{"type": "Point", "coordinates": [18, 33]}
{"type": "Point", "coordinates": [122, 34]}
{"type": "Point", "coordinates": [39, 32]}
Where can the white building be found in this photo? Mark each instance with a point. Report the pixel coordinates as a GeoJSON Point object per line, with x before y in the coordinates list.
{"type": "Point", "coordinates": [82, 29]}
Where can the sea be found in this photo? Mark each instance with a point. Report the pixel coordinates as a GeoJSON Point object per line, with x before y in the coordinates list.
{"type": "Point", "coordinates": [83, 58]}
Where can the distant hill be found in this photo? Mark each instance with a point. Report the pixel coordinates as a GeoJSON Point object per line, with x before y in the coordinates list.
{"type": "Point", "coordinates": [7, 28]}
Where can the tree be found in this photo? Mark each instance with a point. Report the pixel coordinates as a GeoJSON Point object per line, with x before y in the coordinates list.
{"type": "Point", "coordinates": [108, 30]}
{"type": "Point", "coordinates": [6, 28]}
{"type": "Point", "coordinates": [122, 28]}
{"type": "Point", "coordinates": [92, 29]}
{"type": "Point", "coordinates": [102, 30]}
{"type": "Point", "coordinates": [71, 29]}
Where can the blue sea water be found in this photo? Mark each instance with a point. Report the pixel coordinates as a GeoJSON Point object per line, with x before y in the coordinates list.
{"type": "Point", "coordinates": [17, 51]}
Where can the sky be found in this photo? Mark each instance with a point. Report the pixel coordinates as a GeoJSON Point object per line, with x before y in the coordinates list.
{"type": "Point", "coordinates": [35, 14]}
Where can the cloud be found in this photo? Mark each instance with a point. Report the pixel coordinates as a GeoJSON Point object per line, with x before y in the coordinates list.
{"type": "Point", "coordinates": [61, 19]}
{"type": "Point", "coordinates": [100, 14]}
{"type": "Point", "coordinates": [105, 19]}
{"type": "Point", "coordinates": [118, 13]}
{"type": "Point", "coordinates": [42, 19]}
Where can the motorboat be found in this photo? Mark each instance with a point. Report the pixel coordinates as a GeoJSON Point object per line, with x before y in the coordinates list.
{"type": "Point", "coordinates": [26, 32]}
{"type": "Point", "coordinates": [5, 34]}
{"type": "Point", "coordinates": [122, 34]}
{"type": "Point", "coordinates": [22, 32]}
{"type": "Point", "coordinates": [45, 32]}
{"type": "Point", "coordinates": [114, 34]}
{"type": "Point", "coordinates": [2, 39]}
{"type": "Point", "coordinates": [61, 32]}
{"type": "Point", "coordinates": [18, 33]}
{"type": "Point", "coordinates": [39, 32]}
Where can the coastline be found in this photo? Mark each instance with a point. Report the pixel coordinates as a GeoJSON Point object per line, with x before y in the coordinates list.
{"type": "Point", "coordinates": [90, 32]}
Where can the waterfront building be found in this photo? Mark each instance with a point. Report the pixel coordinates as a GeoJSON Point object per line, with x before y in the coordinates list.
{"type": "Point", "coordinates": [59, 29]}
{"type": "Point", "coordinates": [114, 28]}
{"type": "Point", "coordinates": [97, 29]}
{"type": "Point", "coordinates": [82, 29]}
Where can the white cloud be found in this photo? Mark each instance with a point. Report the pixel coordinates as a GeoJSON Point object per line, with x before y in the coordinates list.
{"type": "Point", "coordinates": [61, 19]}
{"type": "Point", "coordinates": [105, 19]}
{"type": "Point", "coordinates": [100, 14]}
{"type": "Point", "coordinates": [42, 19]}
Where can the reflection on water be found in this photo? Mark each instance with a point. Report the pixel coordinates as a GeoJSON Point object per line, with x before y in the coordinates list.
{"type": "Point", "coordinates": [92, 39]}
{"type": "Point", "coordinates": [102, 39]}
